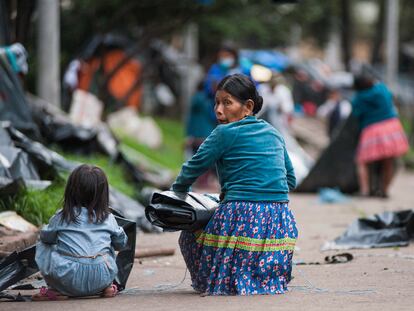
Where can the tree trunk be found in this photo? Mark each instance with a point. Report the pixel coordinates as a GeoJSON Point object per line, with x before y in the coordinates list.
{"type": "Point", "coordinates": [392, 48]}
{"type": "Point", "coordinates": [48, 45]}
{"type": "Point", "coordinates": [346, 32]}
{"type": "Point", "coordinates": [379, 34]}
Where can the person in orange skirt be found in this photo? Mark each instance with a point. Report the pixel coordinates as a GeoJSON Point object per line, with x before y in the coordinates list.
{"type": "Point", "coordinates": [382, 137]}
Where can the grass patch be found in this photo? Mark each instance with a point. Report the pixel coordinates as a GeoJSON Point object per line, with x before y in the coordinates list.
{"type": "Point", "coordinates": [171, 154]}
{"type": "Point", "coordinates": [408, 158]}
{"type": "Point", "coordinates": [407, 124]}
{"type": "Point", "coordinates": [36, 206]}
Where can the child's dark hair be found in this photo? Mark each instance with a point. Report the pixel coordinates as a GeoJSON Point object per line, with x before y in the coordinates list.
{"type": "Point", "coordinates": [87, 186]}
{"type": "Point", "coordinates": [242, 88]}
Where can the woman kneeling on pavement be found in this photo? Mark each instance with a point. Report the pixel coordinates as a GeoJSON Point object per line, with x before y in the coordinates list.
{"type": "Point", "coordinates": [247, 246]}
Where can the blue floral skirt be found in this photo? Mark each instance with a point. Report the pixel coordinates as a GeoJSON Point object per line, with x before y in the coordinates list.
{"type": "Point", "coordinates": [245, 249]}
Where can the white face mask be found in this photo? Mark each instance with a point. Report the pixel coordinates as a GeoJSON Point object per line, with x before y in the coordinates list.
{"type": "Point", "coordinates": [227, 62]}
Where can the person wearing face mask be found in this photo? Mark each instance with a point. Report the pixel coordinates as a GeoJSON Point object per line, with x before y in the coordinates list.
{"type": "Point", "coordinates": [226, 64]}
{"type": "Point", "coordinates": [247, 246]}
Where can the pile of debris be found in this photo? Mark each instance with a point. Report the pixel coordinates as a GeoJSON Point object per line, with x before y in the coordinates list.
{"type": "Point", "coordinates": [26, 162]}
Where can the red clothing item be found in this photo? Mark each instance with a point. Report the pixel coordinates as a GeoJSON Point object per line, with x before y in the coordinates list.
{"type": "Point", "coordinates": [310, 108]}
{"type": "Point", "coordinates": [382, 140]}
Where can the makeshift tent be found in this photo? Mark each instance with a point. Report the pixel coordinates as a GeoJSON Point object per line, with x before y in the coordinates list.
{"type": "Point", "coordinates": [107, 71]}
{"type": "Point", "coordinates": [125, 83]}
{"type": "Point", "coordinates": [336, 166]}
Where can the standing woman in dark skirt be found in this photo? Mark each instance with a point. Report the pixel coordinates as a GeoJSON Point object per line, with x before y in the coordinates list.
{"type": "Point", "coordinates": [247, 246]}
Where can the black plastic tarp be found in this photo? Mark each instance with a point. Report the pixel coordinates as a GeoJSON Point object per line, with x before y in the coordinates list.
{"type": "Point", "coordinates": [32, 163]}
{"type": "Point", "coordinates": [125, 258]}
{"type": "Point", "coordinates": [389, 229]}
{"type": "Point", "coordinates": [46, 123]}
{"type": "Point", "coordinates": [181, 211]}
{"type": "Point", "coordinates": [5, 139]}
{"type": "Point", "coordinates": [17, 167]}
{"type": "Point", "coordinates": [17, 266]}
{"type": "Point", "coordinates": [9, 186]}
{"type": "Point", "coordinates": [56, 127]}
{"type": "Point", "coordinates": [15, 163]}
{"type": "Point", "coordinates": [130, 209]}
{"type": "Point", "coordinates": [336, 166]}
{"type": "Point", "coordinates": [49, 163]}
{"type": "Point", "coordinates": [20, 265]}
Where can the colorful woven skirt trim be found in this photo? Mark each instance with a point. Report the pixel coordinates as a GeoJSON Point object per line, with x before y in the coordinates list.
{"type": "Point", "coordinates": [247, 244]}
{"type": "Point", "coordinates": [246, 249]}
{"type": "Point", "coordinates": [382, 140]}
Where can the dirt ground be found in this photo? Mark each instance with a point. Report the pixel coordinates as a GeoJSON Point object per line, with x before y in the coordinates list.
{"type": "Point", "coordinates": [375, 279]}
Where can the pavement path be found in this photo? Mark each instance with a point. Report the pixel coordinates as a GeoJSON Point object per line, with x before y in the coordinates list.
{"type": "Point", "coordinates": [375, 279]}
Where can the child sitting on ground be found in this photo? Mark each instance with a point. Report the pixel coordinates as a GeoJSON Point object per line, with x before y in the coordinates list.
{"type": "Point", "coordinates": [75, 254]}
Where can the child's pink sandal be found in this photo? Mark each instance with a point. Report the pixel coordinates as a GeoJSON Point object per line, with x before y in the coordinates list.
{"type": "Point", "coordinates": [48, 294]}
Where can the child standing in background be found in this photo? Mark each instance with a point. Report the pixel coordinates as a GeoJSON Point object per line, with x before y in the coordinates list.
{"type": "Point", "coordinates": [75, 254]}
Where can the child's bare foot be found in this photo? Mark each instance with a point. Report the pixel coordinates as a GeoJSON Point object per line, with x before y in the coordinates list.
{"type": "Point", "coordinates": [110, 291]}
{"type": "Point", "coordinates": [48, 294]}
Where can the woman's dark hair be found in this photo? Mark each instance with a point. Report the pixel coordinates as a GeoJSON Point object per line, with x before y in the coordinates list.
{"type": "Point", "coordinates": [363, 82]}
{"type": "Point", "coordinates": [87, 186]}
{"type": "Point", "coordinates": [242, 88]}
